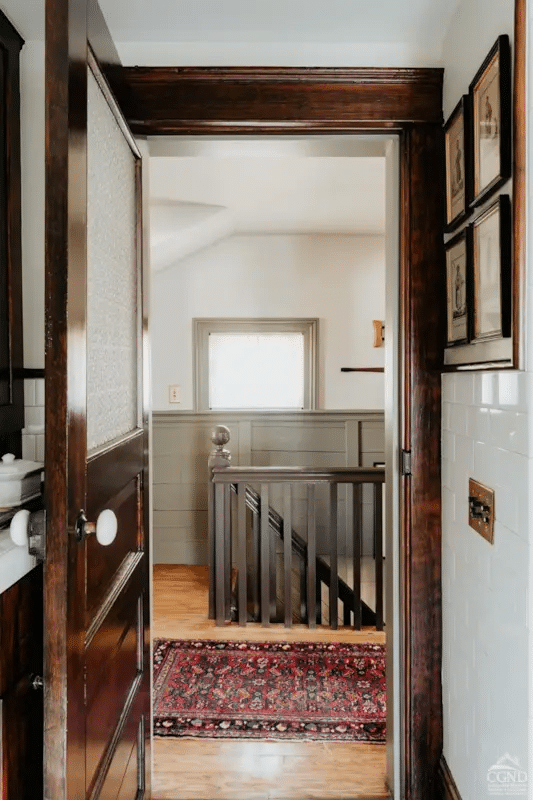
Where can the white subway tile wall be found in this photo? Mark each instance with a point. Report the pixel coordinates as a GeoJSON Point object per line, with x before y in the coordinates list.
{"type": "Point", "coordinates": [33, 432]}
{"type": "Point", "coordinates": [487, 435]}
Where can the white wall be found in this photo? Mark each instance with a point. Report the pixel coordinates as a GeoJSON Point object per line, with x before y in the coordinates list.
{"type": "Point", "coordinates": [28, 20]}
{"type": "Point", "coordinates": [474, 29]}
{"type": "Point", "coordinates": [290, 54]}
{"type": "Point", "coordinates": [339, 279]}
{"type": "Point", "coordinates": [32, 155]}
{"type": "Point", "coordinates": [486, 436]}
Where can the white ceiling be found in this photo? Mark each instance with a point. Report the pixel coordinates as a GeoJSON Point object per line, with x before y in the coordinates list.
{"type": "Point", "coordinates": [279, 195]}
{"type": "Point", "coordinates": [278, 20]}
{"type": "Point", "coordinates": [262, 186]}
{"type": "Point", "coordinates": [415, 23]}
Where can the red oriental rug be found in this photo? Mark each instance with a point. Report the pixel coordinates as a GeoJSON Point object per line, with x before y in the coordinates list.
{"type": "Point", "coordinates": [273, 690]}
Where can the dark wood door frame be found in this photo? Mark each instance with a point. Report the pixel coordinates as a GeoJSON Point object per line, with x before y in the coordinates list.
{"type": "Point", "coordinates": [409, 102]}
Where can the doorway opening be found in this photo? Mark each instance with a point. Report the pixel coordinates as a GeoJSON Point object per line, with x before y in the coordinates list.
{"type": "Point", "coordinates": [280, 229]}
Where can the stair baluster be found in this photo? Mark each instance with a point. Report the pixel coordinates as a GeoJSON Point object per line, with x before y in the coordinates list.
{"type": "Point", "coordinates": [357, 499]}
{"type": "Point", "coordinates": [231, 525]}
{"type": "Point", "coordinates": [287, 553]}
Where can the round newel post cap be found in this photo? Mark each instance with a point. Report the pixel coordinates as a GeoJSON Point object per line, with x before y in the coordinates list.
{"type": "Point", "coordinates": [220, 436]}
{"type": "Point", "coordinates": [220, 457]}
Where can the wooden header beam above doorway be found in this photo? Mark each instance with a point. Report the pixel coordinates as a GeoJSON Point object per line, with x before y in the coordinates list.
{"type": "Point", "coordinates": [187, 100]}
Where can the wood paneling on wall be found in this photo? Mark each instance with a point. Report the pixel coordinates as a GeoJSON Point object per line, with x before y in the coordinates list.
{"type": "Point", "coordinates": [181, 445]}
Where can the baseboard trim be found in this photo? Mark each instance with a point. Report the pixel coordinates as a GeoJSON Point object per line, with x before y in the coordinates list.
{"type": "Point", "coordinates": [448, 786]}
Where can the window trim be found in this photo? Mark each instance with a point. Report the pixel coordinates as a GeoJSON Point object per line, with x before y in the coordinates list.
{"type": "Point", "coordinates": [203, 326]}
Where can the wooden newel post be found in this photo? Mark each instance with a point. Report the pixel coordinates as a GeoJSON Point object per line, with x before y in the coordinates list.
{"type": "Point", "coordinates": [219, 535]}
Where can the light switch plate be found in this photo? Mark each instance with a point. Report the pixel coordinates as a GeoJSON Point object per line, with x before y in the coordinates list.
{"type": "Point", "coordinates": [174, 394]}
{"type": "Point", "coordinates": [481, 509]}
{"type": "Point", "coordinates": [379, 332]}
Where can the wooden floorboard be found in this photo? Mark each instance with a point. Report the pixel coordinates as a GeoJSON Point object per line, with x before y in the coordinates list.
{"type": "Point", "coordinates": [204, 769]}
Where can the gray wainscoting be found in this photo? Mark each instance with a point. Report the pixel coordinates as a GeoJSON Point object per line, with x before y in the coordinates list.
{"type": "Point", "coordinates": [181, 445]}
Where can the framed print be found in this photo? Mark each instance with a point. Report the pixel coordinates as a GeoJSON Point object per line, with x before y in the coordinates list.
{"type": "Point", "coordinates": [457, 271]}
{"type": "Point", "coordinates": [457, 143]}
{"type": "Point", "coordinates": [490, 94]}
{"type": "Point", "coordinates": [491, 257]}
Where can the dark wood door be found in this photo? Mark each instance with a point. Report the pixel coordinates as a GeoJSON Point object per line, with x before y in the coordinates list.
{"type": "Point", "coordinates": [96, 580]}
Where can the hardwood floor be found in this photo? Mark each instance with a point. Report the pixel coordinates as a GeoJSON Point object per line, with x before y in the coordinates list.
{"type": "Point", "coordinates": [180, 612]}
{"type": "Point", "coordinates": [204, 769]}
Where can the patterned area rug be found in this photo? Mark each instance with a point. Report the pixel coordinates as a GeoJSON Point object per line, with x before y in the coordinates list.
{"type": "Point", "coordinates": [256, 690]}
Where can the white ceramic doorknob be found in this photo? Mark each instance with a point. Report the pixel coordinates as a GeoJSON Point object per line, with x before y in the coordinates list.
{"type": "Point", "coordinates": [19, 528]}
{"type": "Point", "coordinates": [28, 529]}
{"type": "Point", "coordinates": [106, 527]}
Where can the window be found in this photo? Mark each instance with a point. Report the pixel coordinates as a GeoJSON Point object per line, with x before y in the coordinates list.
{"type": "Point", "coordinates": [255, 364]}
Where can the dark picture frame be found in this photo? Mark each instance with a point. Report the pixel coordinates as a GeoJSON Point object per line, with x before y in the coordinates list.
{"type": "Point", "coordinates": [491, 106]}
{"type": "Point", "coordinates": [457, 145]}
{"type": "Point", "coordinates": [458, 264]}
{"type": "Point", "coordinates": [491, 272]}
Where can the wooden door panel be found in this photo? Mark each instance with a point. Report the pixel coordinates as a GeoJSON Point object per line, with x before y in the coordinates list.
{"type": "Point", "coordinates": [113, 687]}
{"type": "Point", "coordinates": [127, 754]}
{"type": "Point", "coordinates": [108, 472]}
{"type": "Point", "coordinates": [114, 659]}
{"type": "Point", "coordinates": [125, 776]}
{"type": "Point", "coordinates": [129, 784]}
{"type": "Point", "coordinates": [103, 563]}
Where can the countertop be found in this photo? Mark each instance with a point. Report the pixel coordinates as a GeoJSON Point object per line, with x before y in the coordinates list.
{"type": "Point", "coordinates": [15, 562]}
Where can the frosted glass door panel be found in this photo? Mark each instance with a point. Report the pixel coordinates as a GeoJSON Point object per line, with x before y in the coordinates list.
{"type": "Point", "coordinates": [112, 407]}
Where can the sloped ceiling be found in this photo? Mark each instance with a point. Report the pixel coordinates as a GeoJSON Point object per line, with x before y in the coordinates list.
{"type": "Point", "coordinates": [264, 187]}
{"type": "Point", "coordinates": [178, 229]}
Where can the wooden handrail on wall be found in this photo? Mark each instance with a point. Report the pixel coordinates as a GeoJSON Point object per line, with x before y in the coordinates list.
{"type": "Point", "coordinates": [362, 369]}
{"type": "Point", "coordinates": [229, 528]}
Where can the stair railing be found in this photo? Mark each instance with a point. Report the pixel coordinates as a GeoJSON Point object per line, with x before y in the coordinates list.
{"type": "Point", "coordinates": [299, 551]}
{"type": "Point", "coordinates": [229, 529]}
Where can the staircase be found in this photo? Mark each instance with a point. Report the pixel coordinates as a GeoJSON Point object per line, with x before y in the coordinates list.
{"type": "Point", "coordinates": [299, 577]}
{"type": "Point", "coordinates": [280, 575]}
